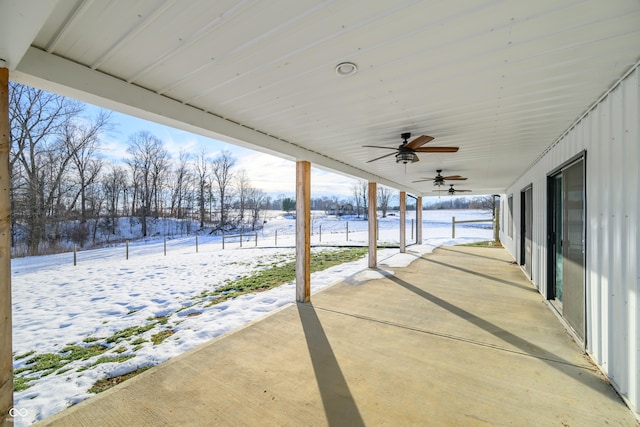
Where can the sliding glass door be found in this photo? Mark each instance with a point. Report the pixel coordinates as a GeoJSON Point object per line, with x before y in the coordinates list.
{"type": "Point", "coordinates": [567, 244]}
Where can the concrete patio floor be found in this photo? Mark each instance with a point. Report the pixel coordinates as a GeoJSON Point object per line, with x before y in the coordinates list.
{"type": "Point", "coordinates": [460, 337]}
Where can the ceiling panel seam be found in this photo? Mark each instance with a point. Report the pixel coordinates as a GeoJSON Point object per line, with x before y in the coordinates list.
{"type": "Point", "coordinates": [81, 7]}
{"type": "Point", "coordinates": [128, 35]}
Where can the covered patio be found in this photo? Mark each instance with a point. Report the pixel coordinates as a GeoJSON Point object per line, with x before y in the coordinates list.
{"type": "Point", "coordinates": [459, 337]}
{"type": "Point", "coordinates": [516, 97]}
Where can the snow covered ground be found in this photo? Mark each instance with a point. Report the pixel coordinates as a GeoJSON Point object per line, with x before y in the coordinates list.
{"type": "Point", "coordinates": [56, 304]}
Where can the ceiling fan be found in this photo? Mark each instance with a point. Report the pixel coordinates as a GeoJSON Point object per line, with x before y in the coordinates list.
{"type": "Point", "coordinates": [439, 180]}
{"type": "Point", "coordinates": [452, 191]}
{"type": "Point", "coordinates": [406, 152]}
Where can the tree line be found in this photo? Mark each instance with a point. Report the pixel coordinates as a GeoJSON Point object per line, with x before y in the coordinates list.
{"type": "Point", "coordinates": [63, 189]}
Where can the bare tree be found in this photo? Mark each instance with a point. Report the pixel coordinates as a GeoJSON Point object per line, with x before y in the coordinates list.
{"type": "Point", "coordinates": [360, 195]}
{"type": "Point", "coordinates": [180, 183]}
{"type": "Point", "coordinates": [148, 164]}
{"type": "Point", "coordinates": [222, 167]}
{"type": "Point", "coordinates": [82, 144]}
{"type": "Point", "coordinates": [37, 159]}
{"type": "Point", "coordinates": [487, 203]}
{"type": "Point", "coordinates": [384, 194]}
{"type": "Point", "coordinates": [114, 184]}
{"type": "Point", "coordinates": [243, 187]}
{"type": "Point", "coordinates": [257, 201]}
{"type": "Point", "coordinates": [202, 176]}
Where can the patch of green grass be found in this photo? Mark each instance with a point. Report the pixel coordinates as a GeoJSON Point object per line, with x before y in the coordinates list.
{"type": "Point", "coordinates": [270, 278]}
{"type": "Point", "coordinates": [102, 385]}
{"type": "Point", "coordinates": [161, 336]}
{"type": "Point", "coordinates": [138, 341]}
{"type": "Point", "coordinates": [77, 352]}
{"type": "Point", "coordinates": [484, 244]}
{"type": "Point", "coordinates": [129, 332]}
{"type": "Point", "coordinates": [111, 359]}
{"type": "Point", "coordinates": [161, 319]}
{"type": "Point", "coordinates": [120, 350]}
{"type": "Point", "coordinates": [27, 354]}
{"type": "Point", "coordinates": [90, 339]}
{"type": "Point", "coordinates": [48, 363]}
{"type": "Point", "coordinates": [20, 383]}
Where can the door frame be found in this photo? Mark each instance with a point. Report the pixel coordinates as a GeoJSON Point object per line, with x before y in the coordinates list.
{"type": "Point", "coordinates": [551, 256]}
{"type": "Point", "coordinates": [526, 227]}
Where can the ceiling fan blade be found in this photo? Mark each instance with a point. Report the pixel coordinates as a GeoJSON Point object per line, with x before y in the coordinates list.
{"type": "Point", "coordinates": [419, 141]}
{"type": "Point", "coordinates": [454, 178]}
{"type": "Point", "coordinates": [377, 146]}
{"type": "Point", "coordinates": [436, 149]}
{"type": "Point", "coordinates": [461, 191]}
{"type": "Point", "coordinates": [381, 157]}
{"type": "Point", "coordinates": [423, 180]}
{"type": "Point", "coordinates": [415, 159]}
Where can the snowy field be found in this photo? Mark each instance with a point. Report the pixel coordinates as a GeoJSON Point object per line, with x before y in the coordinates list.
{"type": "Point", "coordinates": [57, 304]}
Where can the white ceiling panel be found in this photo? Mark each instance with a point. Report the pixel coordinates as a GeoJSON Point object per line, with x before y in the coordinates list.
{"type": "Point", "coordinates": [501, 80]}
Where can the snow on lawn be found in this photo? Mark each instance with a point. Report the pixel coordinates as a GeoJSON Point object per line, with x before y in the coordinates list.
{"type": "Point", "coordinates": [125, 303]}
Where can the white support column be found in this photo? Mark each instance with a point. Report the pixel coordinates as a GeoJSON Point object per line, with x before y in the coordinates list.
{"type": "Point", "coordinates": [403, 222]}
{"type": "Point", "coordinates": [373, 224]}
{"type": "Point", "coordinates": [303, 231]}
{"type": "Point", "coordinates": [6, 358]}
{"type": "Point", "coordinates": [419, 220]}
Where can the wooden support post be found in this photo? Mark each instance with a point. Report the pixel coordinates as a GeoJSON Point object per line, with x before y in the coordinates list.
{"type": "Point", "coordinates": [453, 227]}
{"type": "Point", "coordinates": [403, 222]}
{"type": "Point", "coordinates": [373, 225]}
{"type": "Point", "coordinates": [419, 220]}
{"type": "Point", "coordinates": [496, 225]}
{"type": "Point", "coordinates": [6, 358]}
{"type": "Point", "coordinates": [303, 231]}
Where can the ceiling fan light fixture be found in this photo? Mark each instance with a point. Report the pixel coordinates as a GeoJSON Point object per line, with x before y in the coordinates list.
{"type": "Point", "coordinates": [345, 69]}
{"type": "Point", "coordinates": [406, 157]}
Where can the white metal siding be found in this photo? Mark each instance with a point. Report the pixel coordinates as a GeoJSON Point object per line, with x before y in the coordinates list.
{"type": "Point", "coordinates": [609, 134]}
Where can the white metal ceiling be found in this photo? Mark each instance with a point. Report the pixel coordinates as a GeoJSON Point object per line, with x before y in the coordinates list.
{"type": "Point", "coordinates": [500, 79]}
